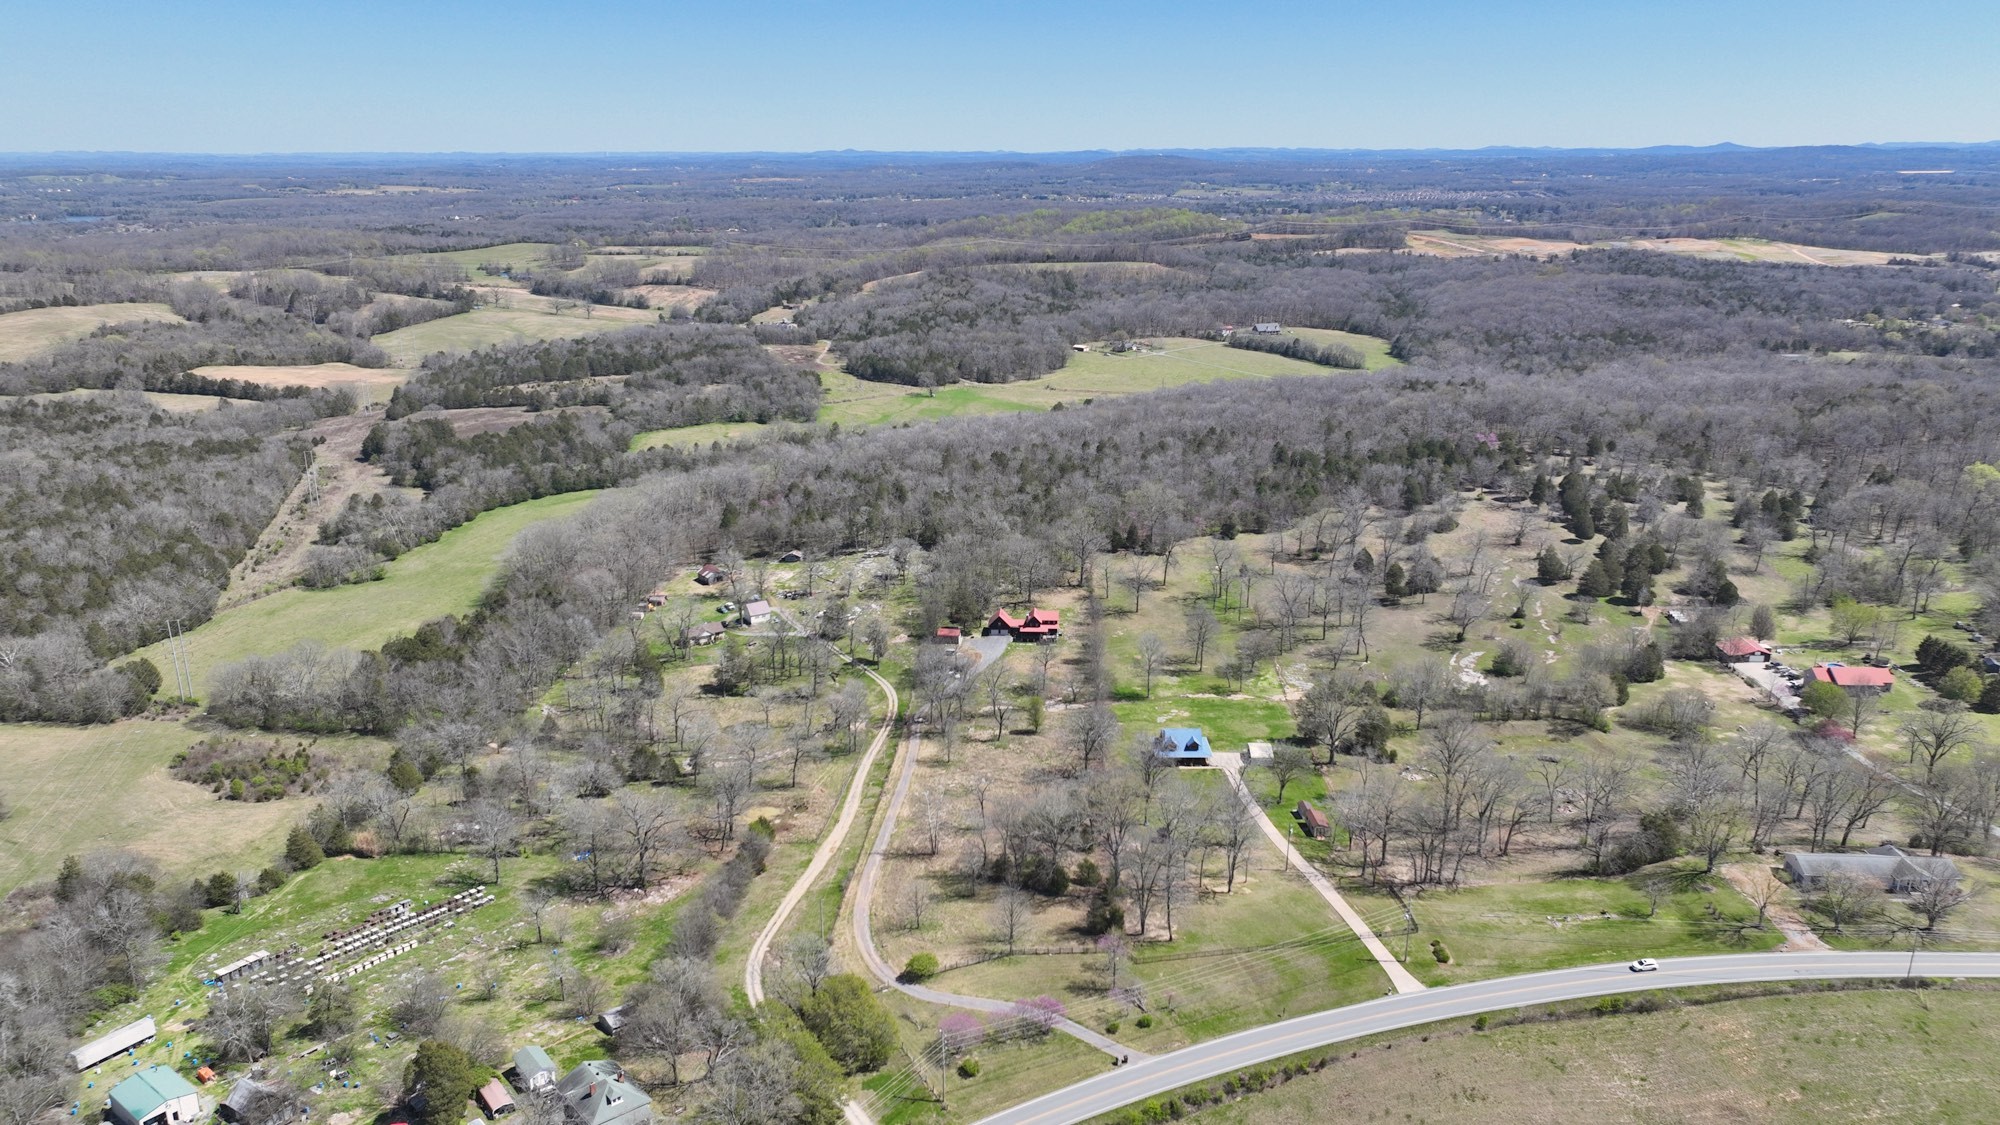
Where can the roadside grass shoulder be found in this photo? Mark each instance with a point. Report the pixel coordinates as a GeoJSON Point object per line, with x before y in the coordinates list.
{"type": "Point", "coordinates": [1806, 1057]}
{"type": "Point", "coordinates": [1505, 928]}
{"type": "Point", "coordinates": [1010, 1072]}
{"type": "Point", "coordinates": [1270, 950]}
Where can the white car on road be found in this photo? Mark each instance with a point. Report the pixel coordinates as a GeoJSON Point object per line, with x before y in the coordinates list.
{"type": "Point", "coordinates": [1644, 965]}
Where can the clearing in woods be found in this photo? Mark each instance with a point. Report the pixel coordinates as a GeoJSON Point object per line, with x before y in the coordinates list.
{"type": "Point", "coordinates": [33, 331]}
{"type": "Point", "coordinates": [511, 255]}
{"type": "Point", "coordinates": [1838, 1056]}
{"type": "Point", "coordinates": [371, 384]}
{"type": "Point", "coordinates": [445, 577]}
{"type": "Point", "coordinates": [1168, 362]}
{"type": "Point", "coordinates": [523, 318]}
{"type": "Point", "coordinates": [1165, 362]}
{"type": "Point", "coordinates": [76, 789]}
{"type": "Point", "coordinates": [1450, 244]}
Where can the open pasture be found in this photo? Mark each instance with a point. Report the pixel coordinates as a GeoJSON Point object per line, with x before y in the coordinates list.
{"type": "Point", "coordinates": [32, 331]}
{"type": "Point", "coordinates": [445, 577]}
{"type": "Point", "coordinates": [370, 384]}
{"type": "Point", "coordinates": [1168, 362]}
{"type": "Point", "coordinates": [521, 319]}
{"type": "Point", "coordinates": [514, 255]}
{"type": "Point", "coordinates": [77, 789]}
{"type": "Point", "coordinates": [1450, 244]}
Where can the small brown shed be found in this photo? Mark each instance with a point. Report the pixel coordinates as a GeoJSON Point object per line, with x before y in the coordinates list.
{"type": "Point", "coordinates": [1312, 821]}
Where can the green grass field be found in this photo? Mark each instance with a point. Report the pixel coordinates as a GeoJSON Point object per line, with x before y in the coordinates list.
{"type": "Point", "coordinates": [77, 789]}
{"type": "Point", "coordinates": [486, 327]}
{"type": "Point", "coordinates": [516, 255]}
{"type": "Point", "coordinates": [1087, 375]}
{"type": "Point", "coordinates": [445, 577]}
{"type": "Point", "coordinates": [1271, 950]}
{"type": "Point", "coordinates": [1506, 928]}
{"type": "Point", "coordinates": [1374, 350]}
{"type": "Point", "coordinates": [1842, 1056]}
{"type": "Point", "coordinates": [33, 331]}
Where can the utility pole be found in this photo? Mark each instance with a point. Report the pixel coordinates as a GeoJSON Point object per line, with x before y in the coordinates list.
{"type": "Point", "coordinates": [177, 657]}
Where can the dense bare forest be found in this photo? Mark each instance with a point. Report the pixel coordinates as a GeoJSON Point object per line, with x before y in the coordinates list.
{"type": "Point", "coordinates": [932, 271]}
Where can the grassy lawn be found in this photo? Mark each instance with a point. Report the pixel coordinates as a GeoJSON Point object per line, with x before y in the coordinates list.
{"type": "Point", "coordinates": [1374, 349]}
{"type": "Point", "coordinates": [33, 331]}
{"type": "Point", "coordinates": [445, 577]}
{"type": "Point", "coordinates": [1009, 1073]}
{"type": "Point", "coordinates": [1507, 928]}
{"type": "Point", "coordinates": [76, 789]}
{"type": "Point", "coordinates": [1840, 1056]}
{"type": "Point", "coordinates": [1229, 723]}
{"type": "Point", "coordinates": [488, 326]}
{"type": "Point", "coordinates": [1271, 950]}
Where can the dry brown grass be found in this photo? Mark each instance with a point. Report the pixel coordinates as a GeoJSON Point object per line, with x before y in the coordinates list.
{"type": "Point", "coordinates": [371, 384]}
{"type": "Point", "coordinates": [77, 789]}
{"type": "Point", "coordinates": [34, 331]}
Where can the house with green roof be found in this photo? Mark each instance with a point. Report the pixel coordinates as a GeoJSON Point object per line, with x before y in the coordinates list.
{"type": "Point", "coordinates": [157, 1095]}
{"type": "Point", "coordinates": [533, 1069]}
{"type": "Point", "coordinates": [598, 1093]}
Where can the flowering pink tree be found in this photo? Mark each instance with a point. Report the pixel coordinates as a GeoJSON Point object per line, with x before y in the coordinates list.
{"type": "Point", "coordinates": [960, 1032]}
{"type": "Point", "coordinates": [1039, 1016]}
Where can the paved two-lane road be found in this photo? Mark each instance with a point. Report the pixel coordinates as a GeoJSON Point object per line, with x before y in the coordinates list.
{"type": "Point", "coordinates": [1156, 1076]}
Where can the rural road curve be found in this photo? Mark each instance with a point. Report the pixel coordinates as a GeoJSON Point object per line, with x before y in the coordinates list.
{"type": "Point", "coordinates": [1152, 1077]}
{"type": "Point", "coordinates": [1232, 767]}
{"type": "Point", "coordinates": [753, 973]}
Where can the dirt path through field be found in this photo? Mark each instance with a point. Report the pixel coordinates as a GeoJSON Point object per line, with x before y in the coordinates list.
{"type": "Point", "coordinates": [336, 474]}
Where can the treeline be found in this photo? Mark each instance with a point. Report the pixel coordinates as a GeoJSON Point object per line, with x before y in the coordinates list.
{"type": "Point", "coordinates": [350, 307]}
{"type": "Point", "coordinates": [1019, 501]}
{"type": "Point", "coordinates": [654, 377]}
{"type": "Point", "coordinates": [1293, 347]}
{"type": "Point", "coordinates": [997, 324]}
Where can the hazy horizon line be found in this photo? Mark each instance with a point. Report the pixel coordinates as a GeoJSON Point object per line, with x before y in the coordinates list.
{"type": "Point", "coordinates": [1146, 150]}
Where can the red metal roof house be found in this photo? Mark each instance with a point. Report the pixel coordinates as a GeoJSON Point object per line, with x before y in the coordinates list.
{"type": "Point", "coordinates": [1854, 679]}
{"type": "Point", "coordinates": [1743, 648]}
{"type": "Point", "coordinates": [1039, 623]}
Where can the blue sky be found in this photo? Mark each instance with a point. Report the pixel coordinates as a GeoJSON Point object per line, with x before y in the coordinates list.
{"type": "Point", "coordinates": [670, 75]}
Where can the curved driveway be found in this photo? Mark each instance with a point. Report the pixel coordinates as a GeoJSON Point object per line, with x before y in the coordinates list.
{"type": "Point", "coordinates": [864, 931]}
{"type": "Point", "coordinates": [753, 973]}
{"type": "Point", "coordinates": [1156, 1076]}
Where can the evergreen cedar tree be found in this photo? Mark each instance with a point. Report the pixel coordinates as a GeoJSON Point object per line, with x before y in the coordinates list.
{"type": "Point", "coordinates": [441, 1077]}
{"type": "Point", "coordinates": [301, 850]}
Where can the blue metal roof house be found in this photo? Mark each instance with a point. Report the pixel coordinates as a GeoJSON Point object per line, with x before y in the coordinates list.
{"type": "Point", "coordinates": [1183, 746]}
